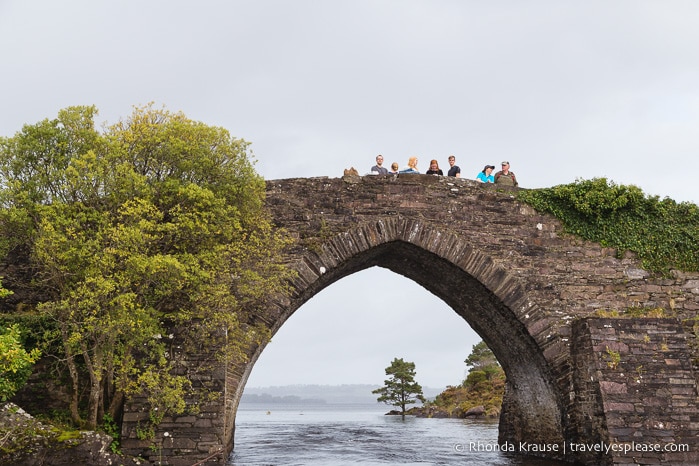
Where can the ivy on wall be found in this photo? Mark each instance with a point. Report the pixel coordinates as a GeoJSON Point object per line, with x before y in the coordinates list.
{"type": "Point", "coordinates": [663, 233]}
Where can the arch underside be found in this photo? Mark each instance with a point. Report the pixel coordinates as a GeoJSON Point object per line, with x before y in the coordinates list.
{"type": "Point", "coordinates": [492, 302]}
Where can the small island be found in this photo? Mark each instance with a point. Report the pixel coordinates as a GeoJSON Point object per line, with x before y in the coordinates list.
{"type": "Point", "coordinates": [479, 395]}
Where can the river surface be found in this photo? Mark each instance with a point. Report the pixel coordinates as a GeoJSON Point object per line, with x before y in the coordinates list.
{"type": "Point", "coordinates": [347, 434]}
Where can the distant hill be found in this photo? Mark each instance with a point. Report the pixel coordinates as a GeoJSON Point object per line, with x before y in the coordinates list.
{"type": "Point", "coordinates": [319, 394]}
{"type": "Point", "coordinates": [266, 398]}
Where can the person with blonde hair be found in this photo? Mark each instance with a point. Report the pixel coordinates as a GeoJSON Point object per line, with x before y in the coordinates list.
{"type": "Point", "coordinates": [412, 166]}
{"type": "Point", "coordinates": [394, 168]}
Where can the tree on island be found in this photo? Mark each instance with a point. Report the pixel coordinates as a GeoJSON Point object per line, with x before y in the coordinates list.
{"type": "Point", "coordinates": [483, 365]}
{"type": "Point", "coordinates": [400, 389]}
{"type": "Point", "coordinates": [482, 389]}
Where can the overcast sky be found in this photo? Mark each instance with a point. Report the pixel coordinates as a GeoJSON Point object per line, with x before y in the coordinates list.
{"type": "Point", "coordinates": [561, 89]}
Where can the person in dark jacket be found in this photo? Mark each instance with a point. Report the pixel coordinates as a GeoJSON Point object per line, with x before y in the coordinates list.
{"type": "Point", "coordinates": [505, 177]}
{"type": "Point", "coordinates": [434, 169]}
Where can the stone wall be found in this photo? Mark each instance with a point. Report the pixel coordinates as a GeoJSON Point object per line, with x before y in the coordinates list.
{"type": "Point", "coordinates": [528, 289]}
{"type": "Point", "coordinates": [201, 434]}
{"type": "Point", "coordinates": [635, 392]}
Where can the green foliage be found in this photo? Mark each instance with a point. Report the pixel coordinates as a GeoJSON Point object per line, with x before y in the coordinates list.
{"type": "Point", "coordinates": [66, 435]}
{"type": "Point", "coordinates": [481, 358]}
{"type": "Point", "coordinates": [663, 233]}
{"type": "Point", "coordinates": [59, 418]}
{"type": "Point", "coordinates": [145, 431]}
{"type": "Point", "coordinates": [15, 362]}
{"type": "Point", "coordinates": [484, 385]}
{"type": "Point", "coordinates": [475, 377]}
{"type": "Point", "coordinates": [4, 293]}
{"type": "Point", "coordinates": [156, 222]}
{"type": "Point", "coordinates": [400, 389]}
{"type": "Point", "coordinates": [484, 367]}
{"type": "Point", "coordinates": [614, 358]}
{"type": "Point", "coordinates": [635, 312]}
{"type": "Point", "coordinates": [111, 428]}
{"type": "Point", "coordinates": [457, 400]}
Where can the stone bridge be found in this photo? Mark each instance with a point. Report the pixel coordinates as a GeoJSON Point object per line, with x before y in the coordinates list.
{"type": "Point", "coordinates": [580, 387]}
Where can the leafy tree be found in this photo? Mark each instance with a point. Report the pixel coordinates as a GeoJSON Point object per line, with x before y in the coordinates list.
{"type": "Point", "coordinates": [483, 365]}
{"type": "Point", "coordinates": [155, 223]}
{"type": "Point", "coordinates": [400, 389]}
{"type": "Point", "coordinates": [15, 362]}
{"type": "Point", "coordinates": [481, 357]}
{"type": "Point", "coordinates": [4, 292]}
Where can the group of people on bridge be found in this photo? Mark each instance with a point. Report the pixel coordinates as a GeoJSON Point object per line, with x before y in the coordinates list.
{"type": "Point", "coordinates": [504, 177]}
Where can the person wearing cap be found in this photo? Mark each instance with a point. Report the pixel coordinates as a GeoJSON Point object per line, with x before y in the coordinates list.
{"type": "Point", "coordinates": [454, 170]}
{"type": "Point", "coordinates": [505, 177]}
{"type": "Point", "coordinates": [486, 175]}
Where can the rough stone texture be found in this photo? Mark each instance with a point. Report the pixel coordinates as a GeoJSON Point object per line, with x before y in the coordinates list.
{"type": "Point", "coordinates": [635, 386]}
{"type": "Point", "coordinates": [25, 441]}
{"type": "Point", "coordinates": [515, 278]}
{"type": "Point", "coordinates": [182, 440]}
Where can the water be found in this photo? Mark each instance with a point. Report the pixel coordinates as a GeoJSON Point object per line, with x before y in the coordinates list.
{"type": "Point", "coordinates": [346, 434]}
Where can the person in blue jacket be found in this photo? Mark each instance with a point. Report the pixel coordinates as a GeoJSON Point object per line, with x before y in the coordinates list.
{"type": "Point", "coordinates": [412, 166]}
{"type": "Point", "coordinates": [486, 175]}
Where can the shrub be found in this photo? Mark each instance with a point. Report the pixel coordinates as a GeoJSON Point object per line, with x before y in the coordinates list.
{"type": "Point", "coordinates": [663, 233]}
{"type": "Point", "coordinates": [15, 362]}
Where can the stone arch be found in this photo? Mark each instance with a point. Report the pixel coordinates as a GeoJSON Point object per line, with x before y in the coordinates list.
{"type": "Point", "coordinates": [483, 293]}
{"type": "Point", "coordinates": [536, 301]}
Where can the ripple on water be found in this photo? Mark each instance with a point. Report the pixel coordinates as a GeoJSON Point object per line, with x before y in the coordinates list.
{"type": "Point", "coordinates": [337, 435]}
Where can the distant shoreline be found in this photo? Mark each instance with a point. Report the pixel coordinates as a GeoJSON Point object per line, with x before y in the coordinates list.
{"type": "Point", "coordinates": [318, 394]}
{"type": "Point", "coordinates": [271, 399]}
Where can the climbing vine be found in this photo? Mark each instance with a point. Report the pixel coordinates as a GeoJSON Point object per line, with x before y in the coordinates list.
{"type": "Point", "coordinates": [663, 233]}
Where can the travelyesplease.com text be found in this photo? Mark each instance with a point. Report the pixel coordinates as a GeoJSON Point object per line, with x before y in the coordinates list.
{"type": "Point", "coordinates": [600, 447]}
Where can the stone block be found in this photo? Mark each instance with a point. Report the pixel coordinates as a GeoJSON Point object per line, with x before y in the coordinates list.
{"type": "Point", "coordinates": [181, 443]}
{"type": "Point", "coordinates": [135, 416]}
{"type": "Point", "coordinates": [691, 285]}
{"type": "Point", "coordinates": [180, 461]}
{"type": "Point", "coordinates": [619, 407]}
{"type": "Point", "coordinates": [208, 447]}
{"type": "Point", "coordinates": [686, 390]}
{"type": "Point", "coordinates": [612, 387]}
{"type": "Point", "coordinates": [203, 423]}
{"type": "Point", "coordinates": [653, 401]}
{"type": "Point", "coordinates": [186, 420]}
{"type": "Point", "coordinates": [682, 381]}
